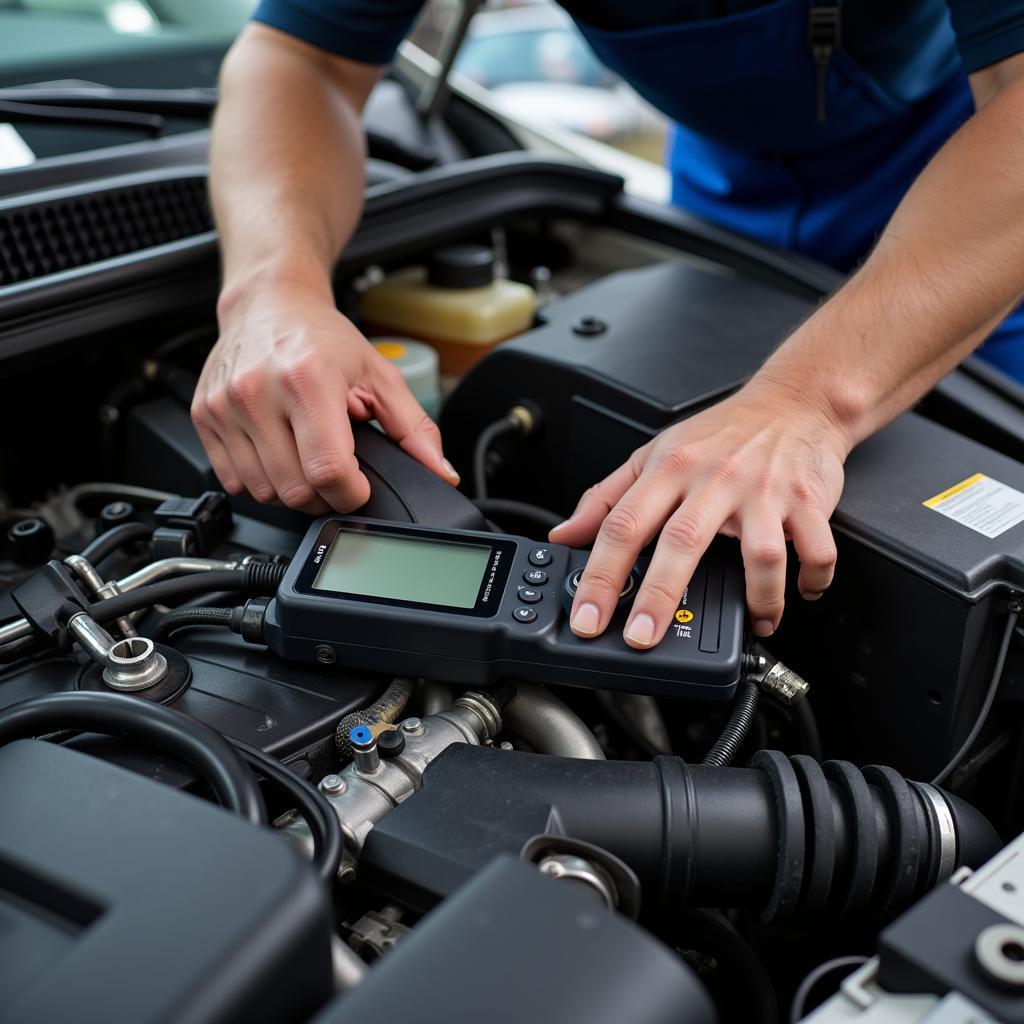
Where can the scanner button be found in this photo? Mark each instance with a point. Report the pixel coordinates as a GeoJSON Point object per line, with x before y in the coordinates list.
{"type": "Point", "coordinates": [528, 595]}
{"type": "Point", "coordinates": [535, 577]}
{"type": "Point", "coordinates": [524, 614]}
{"type": "Point", "coordinates": [540, 557]}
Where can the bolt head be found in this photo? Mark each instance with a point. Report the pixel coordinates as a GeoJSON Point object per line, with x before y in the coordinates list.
{"type": "Point", "coordinates": [333, 784]}
{"type": "Point", "coordinates": [505, 745]}
{"type": "Point", "coordinates": [412, 726]}
{"type": "Point", "coordinates": [325, 655]}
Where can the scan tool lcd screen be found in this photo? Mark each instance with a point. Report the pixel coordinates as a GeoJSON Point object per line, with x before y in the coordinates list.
{"type": "Point", "coordinates": [410, 569]}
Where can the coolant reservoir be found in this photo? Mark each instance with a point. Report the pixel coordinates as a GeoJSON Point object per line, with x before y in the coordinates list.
{"type": "Point", "coordinates": [455, 303]}
{"type": "Point", "coordinates": [418, 363]}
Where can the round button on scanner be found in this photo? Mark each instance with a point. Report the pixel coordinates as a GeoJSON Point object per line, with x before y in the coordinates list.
{"type": "Point", "coordinates": [540, 557]}
{"type": "Point", "coordinates": [528, 595]}
{"type": "Point", "coordinates": [535, 577]}
{"type": "Point", "coordinates": [524, 614]}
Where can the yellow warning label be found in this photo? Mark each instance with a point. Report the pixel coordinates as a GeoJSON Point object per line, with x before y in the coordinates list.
{"type": "Point", "coordinates": [684, 615]}
{"type": "Point", "coordinates": [955, 489]}
{"type": "Point", "coordinates": [984, 505]}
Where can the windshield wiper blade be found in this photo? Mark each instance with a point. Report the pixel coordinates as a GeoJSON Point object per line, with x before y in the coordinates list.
{"type": "Point", "coordinates": [189, 103]}
{"type": "Point", "coordinates": [40, 113]}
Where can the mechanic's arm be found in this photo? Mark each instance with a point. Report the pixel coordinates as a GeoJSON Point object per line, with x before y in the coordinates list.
{"type": "Point", "coordinates": [274, 399]}
{"type": "Point", "coordinates": [766, 464]}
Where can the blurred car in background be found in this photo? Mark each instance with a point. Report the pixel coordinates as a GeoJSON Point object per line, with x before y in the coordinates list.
{"type": "Point", "coordinates": [538, 66]}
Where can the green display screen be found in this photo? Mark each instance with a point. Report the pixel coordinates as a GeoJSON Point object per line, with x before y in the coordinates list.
{"type": "Point", "coordinates": [442, 573]}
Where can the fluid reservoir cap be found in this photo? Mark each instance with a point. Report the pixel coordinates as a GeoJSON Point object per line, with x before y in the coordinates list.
{"type": "Point", "coordinates": [30, 541]}
{"type": "Point", "coordinates": [461, 266]}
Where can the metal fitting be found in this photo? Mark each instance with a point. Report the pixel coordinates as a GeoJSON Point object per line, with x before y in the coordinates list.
{"type": "Point", "coordinates": [134, 664]}
{"type": "Point", "coordinates": [365, 755]}
{"type": "Point", "coordinates": [524, 418]}
{"type": "Point", "coordinates": [481, 705]}
{"type": "Point", "coordinates": [773, 677]}
{"type": "Point", "coordinates": [366, 791]}
{"type": "Point", "coordinates": [578, 869]}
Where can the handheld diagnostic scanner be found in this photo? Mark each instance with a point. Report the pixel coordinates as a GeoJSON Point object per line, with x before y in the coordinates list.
{"type": "Point", "coordinates": [473, 608]}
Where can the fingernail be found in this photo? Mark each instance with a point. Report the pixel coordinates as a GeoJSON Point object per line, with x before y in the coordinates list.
{"type": "Point", "coordinates": [641, 629]}
{"type": "Point", "coordinates": [812, 595]}
{"type": "Point", "coordinates": [450, 470]}
{"type": "Point", "coordinates": [764, 628]}
{"type": "Point", "coordinates": [564, 523]}
{"type": "Point", "coordinates": [586, 619]}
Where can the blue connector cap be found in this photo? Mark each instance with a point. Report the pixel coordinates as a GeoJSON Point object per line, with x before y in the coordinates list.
{"type": "Point", "coordinates": [360, 736]}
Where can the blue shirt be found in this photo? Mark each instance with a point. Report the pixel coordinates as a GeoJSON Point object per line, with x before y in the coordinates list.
{"type": "Point", "coordinates": [879, 34]}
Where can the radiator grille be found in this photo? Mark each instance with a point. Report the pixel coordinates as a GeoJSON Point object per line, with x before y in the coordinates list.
{"type": "Point", "coordinates": [48, 236]}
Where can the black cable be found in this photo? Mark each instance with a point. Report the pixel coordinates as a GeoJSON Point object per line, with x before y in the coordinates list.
{"type": "Point", "coordinates": [796, 1012]}
{"type": "Point", "coordinates": [328, 841]}
{"type": "Point", "coordinates": [490, 434]}
{"type": "Point", "coordinates": [116, 537]}
{"type": "Point", "coordinates": [990, 696]}
{"type": "Point", "coordinates": [544, 518]}
{"type": "Point", "coordinates": [735, 732]}
{"type": "Point", "coordinates": [169, 731]}
{"type": "Point", "coordinates": [181, 618]}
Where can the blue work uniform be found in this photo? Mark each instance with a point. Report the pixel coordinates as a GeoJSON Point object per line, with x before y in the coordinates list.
{"type": "Point", "coordinates": [801, 123]}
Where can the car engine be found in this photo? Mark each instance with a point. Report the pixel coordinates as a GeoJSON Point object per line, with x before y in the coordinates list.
{"type": "Point", "coordinates": [224, 797]}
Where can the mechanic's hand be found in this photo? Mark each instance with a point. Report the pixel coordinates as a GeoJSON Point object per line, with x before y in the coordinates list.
{"type": "Point", "coordinates": [274, 399]}
{"type": "Point", "coordinates": [764, 465]}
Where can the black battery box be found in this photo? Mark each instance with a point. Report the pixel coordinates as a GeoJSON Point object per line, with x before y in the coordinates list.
{"type": "Point", "coordinates": [901, 649]}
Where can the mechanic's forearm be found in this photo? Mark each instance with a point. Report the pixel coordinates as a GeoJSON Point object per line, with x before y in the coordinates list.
{"type": "Point", "coordinates": [948, 268]}
{"type": "Point", "coordinates": [286, 167]}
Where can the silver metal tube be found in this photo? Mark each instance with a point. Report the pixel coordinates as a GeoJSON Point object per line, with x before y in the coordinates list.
{"type": "Point", "coordinates": [548, 725]}
{"type": "Point", "coordinates": [94, 639]}
{"type": "Point", "coordinates": [167, 567]}
{"type": "Point", "coordinates": [14, 630]}
{"type": "Point", "coordinates": [152, 573]}
{"type": "Point", "coordinates": [85, 570]}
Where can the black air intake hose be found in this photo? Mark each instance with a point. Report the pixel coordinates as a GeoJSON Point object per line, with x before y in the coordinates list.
{"type": "Point", "coordinates": [785, 835]}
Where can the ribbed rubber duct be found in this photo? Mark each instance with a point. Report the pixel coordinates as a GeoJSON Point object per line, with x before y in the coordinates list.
{"type": "Point", "coordinates": [786, 835]}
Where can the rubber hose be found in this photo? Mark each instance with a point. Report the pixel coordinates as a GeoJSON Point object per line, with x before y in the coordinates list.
{"type": "Point", "coordinates": [166, 730]}
{"type": "Point", "coordinates": [787, 836]}
{"type": "Point", "coordinates": [498, 507]}
{"type": "Point", "coordinates": [116, 537]}
{"type": "Point", "coordinates": [324, 826]}
{"type": "Point", "coordinates": [725, 748]}
{"type": "Point", "coordinates": [181, 618]}
{"type": "Point", "coordinates": [382, 712]}
{"type": "Point", "coordinates": [258, 579]}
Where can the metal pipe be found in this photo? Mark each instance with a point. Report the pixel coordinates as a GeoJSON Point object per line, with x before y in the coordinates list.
{"type": "Point", "coordinates": [85, 570]}
{"type": "Point", "coordinates": [178, 566]}
{"type": "Point", "coordinates": [549, 725]}
{"type": "Point", "coordinates": [17, 628]}
{"type": "Point", "coordinates": [94, 639]}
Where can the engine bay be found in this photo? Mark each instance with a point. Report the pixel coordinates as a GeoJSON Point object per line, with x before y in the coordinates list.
{"type": "Point", "coordinates": [546, 836]}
